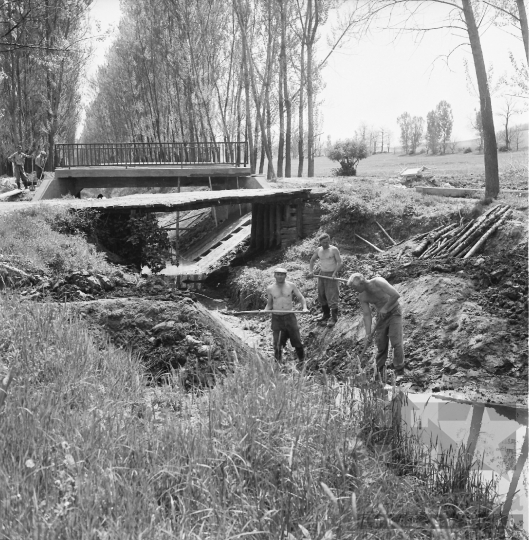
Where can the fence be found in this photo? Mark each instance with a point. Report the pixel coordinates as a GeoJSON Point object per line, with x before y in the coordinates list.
{"type": "Point", "coordinates": [144, 154]}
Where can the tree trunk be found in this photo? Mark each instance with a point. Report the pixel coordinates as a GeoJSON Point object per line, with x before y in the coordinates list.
{"type": "Point", "coordinates": [492, 180]}
{"type": "Point", "coordinates": [523, 24]}
{"type": "Point", "coordinates": [286, 94]}
{"type": "Point", "coordinates": [300, 121]}
{"type": "Point", "coordinates": [249, 133]}
{"type": "Point", "coordinates": [310, 111]}
{"type": "Point", "coordinates": [281, 108]}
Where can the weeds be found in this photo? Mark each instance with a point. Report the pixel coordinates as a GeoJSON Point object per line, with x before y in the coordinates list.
{"type": "Point", "coordinates": [29, 240]}
{"type": "Point", "coordinates": [264, 454]}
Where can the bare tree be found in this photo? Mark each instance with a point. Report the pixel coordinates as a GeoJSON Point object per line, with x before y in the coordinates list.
{"type": "Point", "coordinates": [461, 17]}
{"type": "Point", "coordinates": [508, 110]}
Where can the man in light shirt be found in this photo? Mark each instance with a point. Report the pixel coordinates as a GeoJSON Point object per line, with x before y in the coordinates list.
{"type": "Point", "coordinates": [328, 291]}
{"type": "Point", "coordinates": [19, 158]}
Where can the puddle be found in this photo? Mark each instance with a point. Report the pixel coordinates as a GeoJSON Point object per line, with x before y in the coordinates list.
{"type": "Point", "coordinates": [498, 432]}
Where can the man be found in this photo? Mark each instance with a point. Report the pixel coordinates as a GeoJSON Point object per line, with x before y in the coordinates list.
{"type": "Point", "coordinates": [284, 326]}
{"type": "Point", "coordinates": [328, 291]}
{"type": "Point", "coordinates": [18, 158]}
{"type": "Point", "coordinates": [385, 298]}
{"type": "Point", "coordinates": [40, 162]}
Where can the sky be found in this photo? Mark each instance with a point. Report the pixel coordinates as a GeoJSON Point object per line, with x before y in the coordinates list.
{"type": "Point", "coordinates": [376, 79]}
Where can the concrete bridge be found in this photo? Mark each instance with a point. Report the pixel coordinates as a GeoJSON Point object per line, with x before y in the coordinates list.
{"type": "Point", "coordinates": [139, 165]}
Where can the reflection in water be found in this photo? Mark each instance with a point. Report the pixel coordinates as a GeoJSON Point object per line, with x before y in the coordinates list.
{"type": "Point", "coordinates": [496, 436]}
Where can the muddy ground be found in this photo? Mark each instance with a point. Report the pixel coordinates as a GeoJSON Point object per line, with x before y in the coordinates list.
{"type": "Point", "coordinates": [465, 321]}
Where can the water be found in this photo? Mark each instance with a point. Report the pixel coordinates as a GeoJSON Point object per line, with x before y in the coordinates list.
{"type": "Point", "coordinates": [498, 432]}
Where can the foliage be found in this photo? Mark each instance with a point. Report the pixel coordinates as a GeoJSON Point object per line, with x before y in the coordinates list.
{"type": "Point", "coordinates": [445, 118]}
{"type": "Point", "coordinates": [432, 132]}
{"type": "Point", "coordinates": [138, 239]}
{"type": "Point", "coordinates": [404, 122]}
{"type": "Point", "coordinates": [151, 241]}
{"type": "Point", "coordinates": [348, 153]}
{"type": "Point", "coordinates": [417, 128]}
{"type": "Point", "coordinates": [32, 241]}
{"type": "Point", "coordinates": [351, 207]}
{"type": "Point", "coordinates": [477, 125]}
{"type": "Point", "coordinates": [76, 222]}
{"type": "Point", "coordinates": [44, 54]}
{"type": "Point", "coordinates": [467, 150]}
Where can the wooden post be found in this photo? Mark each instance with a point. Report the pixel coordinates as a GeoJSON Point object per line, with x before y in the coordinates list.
{"type": "Point", "coordinates": [253, 236]}
{"type": "Point", "coordinates": [177, 234]}
{"type": "Point", "coordinates": [240, 205]}
{"type": "Point", "coordinates": [277, 233]}
{"type": "Point", "coordinates": [271, 225]}
{"type": "Point", "coordinates": [213, 209]}
{"type": "Point", "coordinates": [299, 219]}
{"type": "Point", "coordinates": [260, 227]}
{"type": "Point", "coordinates": [266, 226]}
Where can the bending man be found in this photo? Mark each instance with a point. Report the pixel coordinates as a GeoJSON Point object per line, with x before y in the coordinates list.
{"type": "Point", "coordinates": [284, 326]}
{"type": "Point", "coordinates": [385, 298]}
{"type": "Point", "coordinates": [328, 290]}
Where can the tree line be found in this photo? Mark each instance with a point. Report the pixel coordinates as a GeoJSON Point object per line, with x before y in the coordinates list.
{"type": "Point", "coordinates": [42, 57]}
{"type": "Point", "coordinates": [220, 70]}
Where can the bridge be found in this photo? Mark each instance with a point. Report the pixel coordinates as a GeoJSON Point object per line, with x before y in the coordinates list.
{"type": "Point", "coordinates": [218, 165]}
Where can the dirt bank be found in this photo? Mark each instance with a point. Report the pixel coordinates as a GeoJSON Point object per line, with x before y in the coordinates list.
{"type": "Point", "coordinates": [168, 336]}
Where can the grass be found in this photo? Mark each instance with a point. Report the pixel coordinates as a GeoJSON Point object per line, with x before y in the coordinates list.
{"type": "Point", "coordinates": [452, 167]}
{"type": "Point", "coordinates": [265, 454]}
{"type": "Point", "coordinates": [29, 240]}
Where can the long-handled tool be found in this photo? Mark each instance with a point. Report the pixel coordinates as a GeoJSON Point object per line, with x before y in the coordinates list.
{"type": "Point", "coordinates": [330, 277]}
{"type": "Point", "coordinates": [263, 312]}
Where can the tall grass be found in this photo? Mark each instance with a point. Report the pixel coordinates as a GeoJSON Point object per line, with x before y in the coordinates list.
{"type": "Point", "coordinates": [88, 451]}
{"type": "Point", "coordinates": [29, 240]}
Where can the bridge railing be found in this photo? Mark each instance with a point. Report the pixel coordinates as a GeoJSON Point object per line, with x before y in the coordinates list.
{"type": "Point", "coordinates": [138, 154]}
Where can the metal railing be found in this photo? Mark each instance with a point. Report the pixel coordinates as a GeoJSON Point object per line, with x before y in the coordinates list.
{"type": "Point", "coordinates": [145, 154]}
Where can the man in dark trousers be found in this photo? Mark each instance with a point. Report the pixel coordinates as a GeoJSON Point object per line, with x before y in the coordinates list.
{"type": "Point", "coordinates": [19, 158]}
{"type": "Point", "coordinates": [284, 326]}
{"type": "Point", "coordinates": [40, 162]}
{"type": "Point", "coordinates": [328, 290]}
{"type": "Point", "coordinates": [385, 298]}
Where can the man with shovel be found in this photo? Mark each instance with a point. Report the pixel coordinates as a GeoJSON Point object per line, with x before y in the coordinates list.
{"type": "Point", "coordinates": [328, 291]}
{"type": "Point", "coordinates": [385, 298]}
{"type": "Point", "coordinates": [284, 326]}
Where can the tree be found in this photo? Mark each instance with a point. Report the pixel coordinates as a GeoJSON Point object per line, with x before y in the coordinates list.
{"type": "Point", "coordinates": [417, 129]}
{"type": "Point", "coordinates": [517, 133]}
{"type": "Point", "coordinates": [460, 13]}
{"type": "Point", "coordinates": [432, 132]}
{"type": "Point", "coordinates": [508, 110]}
{"type": "Point", "coordinates": [477, 125]}
{"type": "Point", "coordinates": [348, 153]}
{"type": "Point", "coordinates": [445, 120]}
{"type": "Point", "coordinates": [405, 123]}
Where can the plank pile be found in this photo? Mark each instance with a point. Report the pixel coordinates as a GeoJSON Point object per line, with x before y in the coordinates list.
{"type": "Point", "coordinates": [463, 240]}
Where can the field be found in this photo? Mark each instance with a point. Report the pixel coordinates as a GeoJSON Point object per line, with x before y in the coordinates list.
{"type": "Point", "coordinates": [461, 170]}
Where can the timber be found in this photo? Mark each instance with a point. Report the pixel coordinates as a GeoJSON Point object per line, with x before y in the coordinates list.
{"type": "Point", "coordinates": [483, 239]}
{"type": "Point", "coordinates": [330, 277]}
{"type": "Point", "coordinates": [387, 235]}
{"type": "Point", "coordinates": [369, 243]}
{"type": "Point", "coordinates": [263, 312]}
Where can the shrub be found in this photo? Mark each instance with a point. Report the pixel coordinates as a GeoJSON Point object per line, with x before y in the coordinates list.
{"type": "Point", "coordinates": [467, 150]}
{"type": "Point", "coordinates": [503, 148]}
{"type": "Point", "coordinates": [348, 153]}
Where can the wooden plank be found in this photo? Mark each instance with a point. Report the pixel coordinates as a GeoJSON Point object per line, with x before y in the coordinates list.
{"type": "Point", "coordinates": [277, 224]}
{"type": "Point", "coordinates": [299, 219]}
{"type": "Point", "coordinates": [198, 249]}
{"type": "Point", "coordinates": [211, 258]}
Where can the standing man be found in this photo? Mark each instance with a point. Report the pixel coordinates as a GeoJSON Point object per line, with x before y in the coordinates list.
{"type": "Point", "coordinates": [18, 158]}
{"type": "Point", "coordinates": [284, 326]}
{"type": "Point", "coordinates": [40, 162]}
{"type": "Point", "coordinates": [328, 291]}
{"type": "Point", "coordinates": [385, 298]}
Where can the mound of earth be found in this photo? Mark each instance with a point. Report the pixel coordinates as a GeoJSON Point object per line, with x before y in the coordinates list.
{"type": "Point", "coordinates": [465, 324]}
{"type": "Point", "coordinates": [168, 336]}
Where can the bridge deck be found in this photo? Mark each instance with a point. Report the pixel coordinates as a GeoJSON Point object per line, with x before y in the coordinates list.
{"type": "Point", "coordinates": [172, 202]}
{"type": "Point", "coordinates": [150, 170]}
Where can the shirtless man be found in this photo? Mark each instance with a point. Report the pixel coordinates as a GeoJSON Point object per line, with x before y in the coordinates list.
{"type": "Point", "coordinates": [284, 326]}
{"type": "Point", "coordinates": [385, 298]}
{"type": "Point", "coordinates": [328, 291]}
